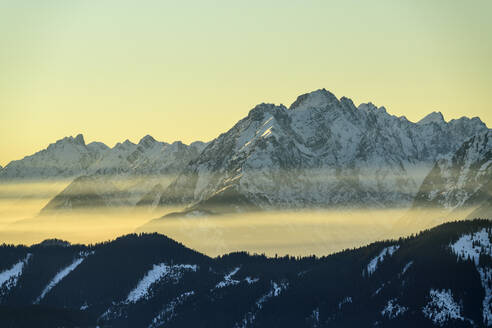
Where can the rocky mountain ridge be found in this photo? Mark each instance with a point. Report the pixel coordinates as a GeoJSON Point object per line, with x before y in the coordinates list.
{"type": "Point", "coordinates": [321, 152]}
{"type": "Point", "coordinates": [71, 157]}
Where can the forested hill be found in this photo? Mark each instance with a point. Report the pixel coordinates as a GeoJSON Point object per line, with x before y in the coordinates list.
{"type": "Point", "coordinates": [439, 278]}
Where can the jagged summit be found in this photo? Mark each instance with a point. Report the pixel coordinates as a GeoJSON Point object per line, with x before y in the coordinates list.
{"type": "Point", "coordinates": [125, 144]}
{"type": "Point", "coordinates": [259, 111]}
{"type": "Point", "coordinates": [316, 99]}
{"type": "Point", "coordinates": [78, 140]}
{"type": "Point", "coordinates": [370, 107]}
{"type": "Point", "coordinates": [434, 117]}
{"type": "Point", "coordinates": [147, 140]}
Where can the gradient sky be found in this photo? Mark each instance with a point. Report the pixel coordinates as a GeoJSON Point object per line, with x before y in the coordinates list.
{"type": "Point", "coordinates": [188, 70]}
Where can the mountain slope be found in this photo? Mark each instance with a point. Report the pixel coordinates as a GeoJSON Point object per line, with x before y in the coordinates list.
{"type": "Point", "coordinates": [461, 180]}
{"type": "Point", "coordinates": [127, 173]}
{"type": "Point", "coordinates": [319, 152]}
{"type": "Point", "coordinates": [88, 192]}
{"type": "Point", "coordinates": [439, 278]}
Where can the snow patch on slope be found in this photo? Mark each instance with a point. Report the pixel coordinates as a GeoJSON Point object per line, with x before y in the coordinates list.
{"type": "Point", "coordinates": [470, 246]}
{"type": "Point", "coordinates": [406, 267]}
{"type": "Point", "coordinates": [9, 278]}
{"type": "Point", "coordinates": [250, 317]}
{"type": "Point", "coordinates": [346, 300]}
{"type": "Point", "coordinates": [158, 272]}
{"type": "Point", "coordinates": [168, 313]}
{"type": "Point", "coordinates": [228, 281]}
{"type": "Point", "coordinates": [387, 251]}
{"type": "Point", "coordinates": [250, 280]}
{"type": "Point", "coordinates": [486, 278]}
{"type": "Point", "coordinates": [62, 274]}
{"type": "Point", "coordinates": [442, 307]}
{"type": "Point", "coordinates": [393, 310]}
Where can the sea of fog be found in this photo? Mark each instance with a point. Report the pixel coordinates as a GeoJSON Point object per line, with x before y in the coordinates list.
{"type": "Point", "coordinates": [306, 232]}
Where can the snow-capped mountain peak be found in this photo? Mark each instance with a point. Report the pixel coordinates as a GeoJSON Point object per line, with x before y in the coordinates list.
{"type": "Point", "coordinates": [147, 141]}
{"type": "Point", "coordinates": [77, 140]}
{"type": "Point", "coordinates": [317, 99]}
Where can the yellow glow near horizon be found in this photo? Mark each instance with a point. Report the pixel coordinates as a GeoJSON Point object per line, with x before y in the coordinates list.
{"type": "Point", "coordinates": [189, 70]}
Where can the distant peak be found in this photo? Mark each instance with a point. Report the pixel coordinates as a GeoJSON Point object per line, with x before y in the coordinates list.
{"type": "Point", "coordinates": [368, 107]}
{"type": "Point", "coordinates": [435, 117]}
{"type": "Point", "coordinates": [79, 139]}
{"type": "Point", "coordinates": [125, 143]}
{"type": "Point", "coordinates": [347, 101]}
{"type": "Point", "coordinates": [315, 99]}
{"type": "Point", "coordinates": [147, 140]}
{"type": "Point", "coordinates": [97, 145]}
{"type": "Point", "coordinates": [177, 143]}
{"type": "Point", "coordinates": [258, 113]}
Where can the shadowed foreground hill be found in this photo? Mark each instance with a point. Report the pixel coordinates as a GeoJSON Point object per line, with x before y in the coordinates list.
{"type": "Point", "coordinates": [439, 278]}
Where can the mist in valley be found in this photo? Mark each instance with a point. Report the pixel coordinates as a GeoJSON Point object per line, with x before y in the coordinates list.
{"type": "Point", "coordinates": [299, 233]}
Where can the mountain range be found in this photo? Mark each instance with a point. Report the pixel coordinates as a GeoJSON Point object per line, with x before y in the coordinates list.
{"type": "Point", "coordinates": [319, 152]}
{"type": "Point", "coordinates": [71, 157]}
{"type": "Point", "coordinates": [438, 278]}
{"type": "Point", "coordinates": [118, 176]}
